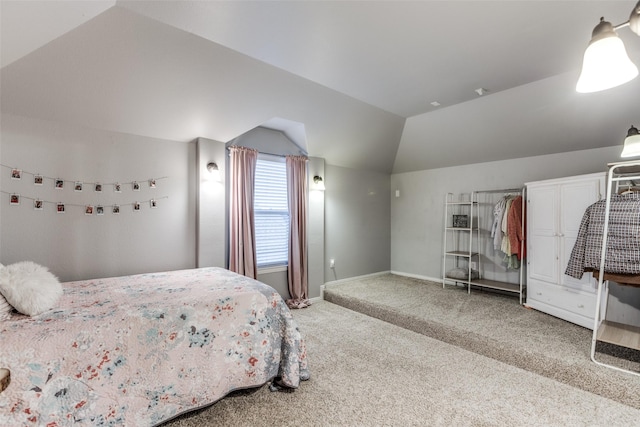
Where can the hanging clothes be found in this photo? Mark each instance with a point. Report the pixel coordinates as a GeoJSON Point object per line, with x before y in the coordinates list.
{"type": "Point", "coordinates": [496, 232]}
{"type": "Point", "coordinates": [623, 240]}
{"type": "Point", "coordinates": [506, 244]}
{"type": "Point", "coordinates": [507, 231]}
{"type": "Point", "coordinates": [515, 229]}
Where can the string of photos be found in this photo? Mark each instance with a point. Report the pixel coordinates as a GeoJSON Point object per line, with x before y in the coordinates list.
{"type": "Point", "coordinates": [78, 186]}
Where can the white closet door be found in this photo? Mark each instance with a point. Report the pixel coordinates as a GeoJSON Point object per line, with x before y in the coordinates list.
{"type": "Point", "coordinates": [555, 211]}
{"type": "Point", "coordinates": [542, 224]}
{"type": "Point", "coordinates": [575, 198]}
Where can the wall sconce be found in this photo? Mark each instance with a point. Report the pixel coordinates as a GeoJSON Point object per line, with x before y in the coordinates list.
{"type": "Point", "coordinates": [319, 183]}
{"type": "Point", "coordinates": [631, 143]}
{"type": "Point", "coordinates": [214, 172]}
{"type": "Point", "coordinates": [606, 63]}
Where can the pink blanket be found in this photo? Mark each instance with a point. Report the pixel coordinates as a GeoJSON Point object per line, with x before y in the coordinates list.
{"type": "Point", "coordinates": [139, 350]}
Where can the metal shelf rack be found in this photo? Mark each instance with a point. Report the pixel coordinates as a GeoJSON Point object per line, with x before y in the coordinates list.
{"type": "Point", "coordinates": [467, 247]}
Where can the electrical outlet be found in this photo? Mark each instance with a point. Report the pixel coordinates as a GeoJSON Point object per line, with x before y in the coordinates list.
{"type": "Point", "coordinates": [332, 263]}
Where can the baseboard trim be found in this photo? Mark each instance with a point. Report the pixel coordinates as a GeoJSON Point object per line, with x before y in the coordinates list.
{"type": "Point", "coordinates": [417, 276]}
{"type": "Point", "coordinates": [380, 273]}
{"type": "Point", "coordinates": [350, 279]}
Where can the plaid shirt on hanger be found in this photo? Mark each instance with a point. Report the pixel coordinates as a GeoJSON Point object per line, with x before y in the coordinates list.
{"type": "Point", "coordinates": [623, 241]}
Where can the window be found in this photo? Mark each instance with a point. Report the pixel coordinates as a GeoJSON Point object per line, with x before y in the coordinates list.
{"type": "Point", "coordinates": [271, 213]}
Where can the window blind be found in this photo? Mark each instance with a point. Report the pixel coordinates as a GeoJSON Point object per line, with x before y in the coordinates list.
{"type": "Point", "coordinates": [271, 213]}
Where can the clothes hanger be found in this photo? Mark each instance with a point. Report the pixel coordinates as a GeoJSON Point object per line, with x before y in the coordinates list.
{"type": "Point", "coordinates": [631, 187]}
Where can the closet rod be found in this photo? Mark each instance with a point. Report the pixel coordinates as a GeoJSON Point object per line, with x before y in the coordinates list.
{"type": "Point", "coordinates": [508, 190]}
{"type": "Point", "coordinates": [625, 178]}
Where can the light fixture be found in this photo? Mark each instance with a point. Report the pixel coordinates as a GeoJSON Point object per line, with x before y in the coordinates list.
{"type": "Point", "coordinates": [631, 143]}
{"type": "Point", "coordinates": [606, 63]}
{"type": "Point", "coordinates": [214, 172]}
{"type": "Point", "coordinates": [319, 183]}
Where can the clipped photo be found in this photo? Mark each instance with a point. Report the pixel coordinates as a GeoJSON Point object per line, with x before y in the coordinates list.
{"type": "Point", "coordinates": [152, 183]}
{"type": "Point", "coordinates": [153, 203]}
{"type": "Point", "coordinates": [98, 187]}
{"type": "Point", "coordinates": [99, 210]}
{"type": "Point", "coordinates": [88, 210]}
{"type": "Point", "coordinates": [117, 188]}
{"type": "Point", "coordinates": [38, 180]}
{"type": "Point", "coordinates": [115, 209]}
{"type": "Point", "coordinates": [77, 186]}
{"type": "Point", "coordinates": [59, 184]}
{"type": "Point", "coordinates": [16, 174]}
{"type": "Point", "coordinates": [38, 205]}
{"type": "Point", "coordinates": [15, 199]}
{"type": "Point", "coordinates": [135, 185]}
{"type": "Point", "coordinates": [136, 207]}
{"type": "Point", "coordinates": [60, 208]}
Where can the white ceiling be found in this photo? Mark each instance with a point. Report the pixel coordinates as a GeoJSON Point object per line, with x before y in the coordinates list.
{"type": "Point", "coordinates": [357, 76]}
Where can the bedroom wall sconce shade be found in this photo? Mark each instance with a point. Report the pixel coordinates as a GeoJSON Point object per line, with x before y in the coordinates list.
{"type": "Point", "coordinates": [631, 143]}
{"type": "Point", "coordinates": [606, 63]}
{"type": "Point", "coordinates": [318, 183]}
{"type": "Point", "coordinates": [214, 172]}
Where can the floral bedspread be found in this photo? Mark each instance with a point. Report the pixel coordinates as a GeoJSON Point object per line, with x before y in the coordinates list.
{"type": "Point", "coordinates": [139, 350]}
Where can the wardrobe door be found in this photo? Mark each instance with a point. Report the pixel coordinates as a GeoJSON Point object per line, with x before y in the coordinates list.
{"type": "Point", "coordinates": [575, 198]}
{"type": "Point", "coordinates": [555, 211]}
{"type": "Point", "coordinates": [542, 220]}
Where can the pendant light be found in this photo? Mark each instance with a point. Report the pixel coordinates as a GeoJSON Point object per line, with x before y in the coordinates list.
{"type": "Point", "coordinates": [631, 143]}
{"type": "Point", "coordinates": [606, 63]}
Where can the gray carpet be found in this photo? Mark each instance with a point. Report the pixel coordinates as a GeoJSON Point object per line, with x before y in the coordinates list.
{"type": "Point", "coordinates": [368, 372]}
{"type": "Point", "coordinates": [495, 326]}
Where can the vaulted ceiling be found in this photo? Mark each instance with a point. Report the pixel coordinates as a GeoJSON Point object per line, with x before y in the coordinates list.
{"type": "Point", "coordinates": [359, 77]}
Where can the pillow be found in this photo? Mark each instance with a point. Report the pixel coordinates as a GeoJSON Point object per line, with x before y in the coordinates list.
{"type": "Point", "coordinates": [5, 308]}
{"type": "Point", "coordinates": [30, 288]}
{"type": "Point", "coordinates": [462, 274]}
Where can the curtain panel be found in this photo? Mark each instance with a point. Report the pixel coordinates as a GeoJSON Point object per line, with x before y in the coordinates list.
{"type": "Point", "coordinates": [298, 207]}
{"type": "Point", "coordinates": [242, 236]}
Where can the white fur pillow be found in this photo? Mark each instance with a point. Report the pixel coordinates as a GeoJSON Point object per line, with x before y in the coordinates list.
{"type": "Point", "coordinates": [5, 308]}
{"type": "Point", "coordinates": [30, 288]}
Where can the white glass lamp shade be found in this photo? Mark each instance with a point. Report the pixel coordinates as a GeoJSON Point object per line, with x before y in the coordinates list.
{"type": "Point", "coordinates": [318, 183]}
{"type": "Point", "coordinates": [214, 172]}
{"type": "Point", "coordinates": [631, 143]}
{"type": "Point", "coordinates": [606, 63]}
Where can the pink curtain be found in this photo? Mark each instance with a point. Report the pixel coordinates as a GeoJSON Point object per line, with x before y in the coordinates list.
{"type": "Point", "coordinates": [242, 236]}
{"type": "Point", "coordinates": [298, 202]}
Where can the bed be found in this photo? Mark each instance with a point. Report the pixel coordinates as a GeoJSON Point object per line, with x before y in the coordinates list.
{"type": "Point", "coordinates": [139, 350]}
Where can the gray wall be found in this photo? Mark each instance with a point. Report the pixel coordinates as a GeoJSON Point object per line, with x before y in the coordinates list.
{"type": "Point", "coordinates": [316, 230]}
{"type": "Point", "coordinates": [417, 216]}
{"type": "Point", "coordinates": [268, 141]}
{"type": "Point", "coordinates": [188, 228]}
{"type": "Point", "coordinates": [76, 246]}
{"type": "Point", "coordinates": [357, 222]}
{"type": "Point", "coordinates": [211, 205]}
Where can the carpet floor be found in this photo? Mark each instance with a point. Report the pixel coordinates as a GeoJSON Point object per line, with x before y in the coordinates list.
{"type": "Point", "coordinates": [495, 326]}
{"type": "Point", "coordinates": [370, 372]}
